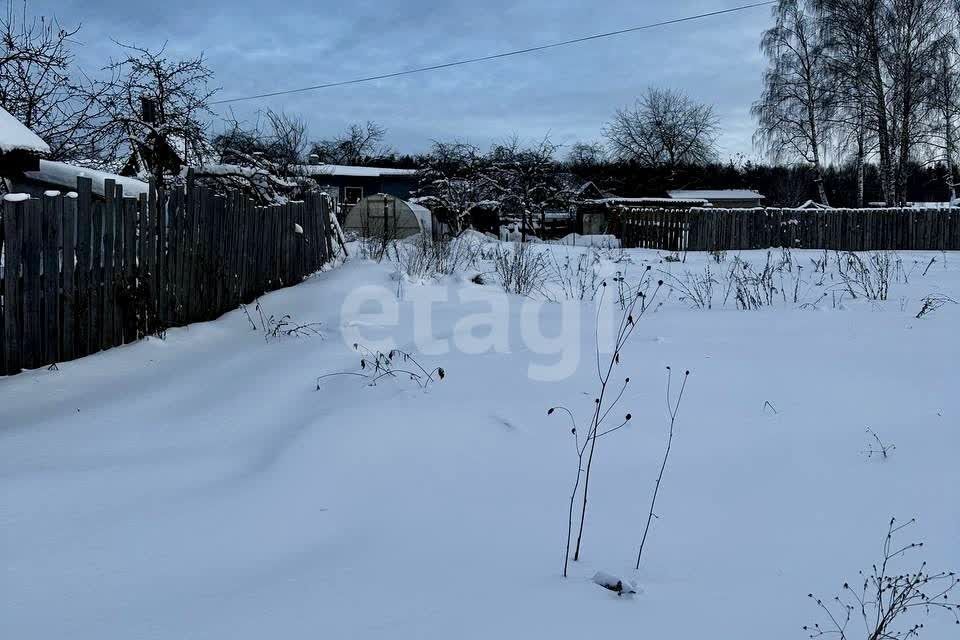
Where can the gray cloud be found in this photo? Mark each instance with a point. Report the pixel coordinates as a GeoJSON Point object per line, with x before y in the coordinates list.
{"type": "Point", "coordinates": [570, 92]}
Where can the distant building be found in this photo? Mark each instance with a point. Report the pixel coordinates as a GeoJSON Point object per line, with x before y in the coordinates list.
{"type": "Point", "coordinates": [721, 198]}
{"type": "Point", "coordinates": [348, 184]}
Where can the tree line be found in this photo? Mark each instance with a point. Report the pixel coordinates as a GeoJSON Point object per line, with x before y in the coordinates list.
{"type": "Point", "coordinates": [859, 104]}
{"type": "Point", "coordinates": [862, 81]}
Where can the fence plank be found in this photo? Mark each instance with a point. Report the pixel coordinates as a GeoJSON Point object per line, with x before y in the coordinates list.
{"type": "Point", "coordinates": [69, 278]}
{"type": "Point", "coordinates": [51, 221]}
{"type": "Point", "coordinates": [13, 221]}
{"type": "Point", "coordinates": [32, 258]}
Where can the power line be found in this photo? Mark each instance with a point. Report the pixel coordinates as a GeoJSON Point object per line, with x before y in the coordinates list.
{"type": "Point", "coordinates": [495, 56]}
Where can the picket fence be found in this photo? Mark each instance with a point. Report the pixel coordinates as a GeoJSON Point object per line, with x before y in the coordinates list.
{"type": "Point", "coordinates": [81, 275]}
{"type": "Point", "coordinates": [840, 229]}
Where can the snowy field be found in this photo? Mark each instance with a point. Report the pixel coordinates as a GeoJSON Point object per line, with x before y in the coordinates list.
{"type": "Point", "coordinates": [200, 486]}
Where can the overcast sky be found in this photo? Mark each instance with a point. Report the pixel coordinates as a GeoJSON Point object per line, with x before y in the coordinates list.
{"type": "Point", "coordinates": [569, 92]}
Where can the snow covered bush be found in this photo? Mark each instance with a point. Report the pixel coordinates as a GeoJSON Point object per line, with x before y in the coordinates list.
{"type": "Point", "coordinates": [696, 289]}
{"type": "Point", "coordinates": [426, 258]}
{"type": "Point", "coordinates": [751, 288]}
{"type": "Point", "coordinates": [578, 279]}
{"type": "Point", "coordinates": [868, 278]}
{"type": "Point", "coordinates": [888, 601]}
{"type": "Point", "coordinates": [522, 269]}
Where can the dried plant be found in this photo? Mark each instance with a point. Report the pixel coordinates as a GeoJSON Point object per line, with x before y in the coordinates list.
{"type": "Point", "coordinates": [426, 258]}
{"type": "Point", "coordinates": [273, 327]}
{"type": "Point", "coordinates": [578, 280]}
{"type": "Point", "coordinates": [877, 447]}
{"type": "Point", "coordinates": [696, 289]}
{"type": "Point", "coordinates": [396, 363]}
{"type": "Point", "coordinates": [933, 302]}
{"type": "Point", "coordinates": [522, 269]}
{"type": "Point", "coordinates": [604, 403]}
{"type": "Point", "coordinates": [887, 601]}
{"type": "Point", "coordinates": [673, 407]}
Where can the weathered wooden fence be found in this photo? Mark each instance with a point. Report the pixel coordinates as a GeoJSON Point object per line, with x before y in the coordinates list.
{"type": "Point", "coordinates": [842, 229]}
{"type": "Point", "coordinates": [81, 276]}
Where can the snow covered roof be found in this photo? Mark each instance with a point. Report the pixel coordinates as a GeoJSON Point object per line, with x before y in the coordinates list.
{"type": "Point", "coordinates": [715, 194]}
{"type": "Point", "coordinates": [356, 172]}
{"type": "Point", "coordinates": [810, 204]}
{"type": "Point", "coordinates": [14, 136]}
{"type": "Point", "coordinates": [667, 201]}
{"type": "Point", "coordinates": [65, 175]}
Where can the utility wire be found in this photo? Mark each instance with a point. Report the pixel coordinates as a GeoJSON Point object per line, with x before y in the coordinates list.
{"type": "Point", "coordinates": [495, 56]}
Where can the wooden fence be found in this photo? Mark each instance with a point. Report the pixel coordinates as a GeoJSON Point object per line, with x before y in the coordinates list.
{"type": "Point", "coordinates": [81, 276]}
{"type": "Point", "coordinates": [842, 229]}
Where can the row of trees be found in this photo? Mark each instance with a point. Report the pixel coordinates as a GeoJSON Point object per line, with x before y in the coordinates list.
{"type": "Point", "coordinates": [863, 80]}
{"type": "Point", "coordinates": [859, 94]}
{"type": "Point", "coordinates": [148, 113]}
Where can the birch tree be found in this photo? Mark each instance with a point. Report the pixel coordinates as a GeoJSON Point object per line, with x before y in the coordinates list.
{"type": "Point", "coordinates": [797, 104]}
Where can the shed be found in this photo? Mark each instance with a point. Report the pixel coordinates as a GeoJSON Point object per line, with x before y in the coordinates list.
{"type": "Point", "coordinates": [721, 198]}
{"type": "Point", "coordinates": [349, 184]}
{"type": "Point", "coordinates": [385, 216]}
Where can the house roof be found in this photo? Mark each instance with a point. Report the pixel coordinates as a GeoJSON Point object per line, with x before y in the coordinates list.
{"type": "Point", "coordinates": [15, 136]}
{"type": "Point", "coordinates": [65, 175]}
{"type": "Point", "coordinates": [715, 194]}
{"type": "Point", "coordinates": [810, 204]}
{"type": "Point", "coordinates": [664, 201]}
{"type": "Point", "coordinates": [356, 172]}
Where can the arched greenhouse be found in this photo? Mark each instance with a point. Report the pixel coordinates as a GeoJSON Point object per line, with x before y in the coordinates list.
{"type": "Point", "coordinates": [385, 216]}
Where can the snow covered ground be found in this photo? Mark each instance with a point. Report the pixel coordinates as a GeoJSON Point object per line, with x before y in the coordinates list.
{"type": "Point", "coordinates": [201, 486]}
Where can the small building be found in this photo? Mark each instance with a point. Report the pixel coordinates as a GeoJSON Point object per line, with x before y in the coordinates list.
{"type": "Point", "coordinates": [349, 184]}
{"type": "Point", "coordinates": [20, 149]}
{"type": "Point", "coordinates": [721, 198]}
{"type": "Point", "coordinates": [382, 215]}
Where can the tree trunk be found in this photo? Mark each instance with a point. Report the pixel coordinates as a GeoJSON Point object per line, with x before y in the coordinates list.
{"type": "Point", "coordinates": [879, 98]}
{"type": "Point", "coordinates": [861, 153]}
{"type": "Point", "coordinates": [904, 146]}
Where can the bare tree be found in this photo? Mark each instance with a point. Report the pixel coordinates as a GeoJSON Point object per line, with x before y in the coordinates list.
{"type": "Point", "coordinates": [354, 147]}
{"type": "Point", "coordinates": [40, 86]}
{"type": "Point", "coordinates": [798, 100]}
{"type": "Point", "coordinates": [945, 108]}
{"type": "Point", "coordinates": [664, 128]}
{"type": "Point", "coordinates": [156, 109]}
{"type": "Point", "coordinates": [587, 154]}
{"type": "Point", "coordinates": [525, 179]}
{"type": "Point", "coordinates": [452, 180]}
{"type": "Point", "coordinates": [916, 28]}
{"type": "Point", "coordinates": [265, 161]}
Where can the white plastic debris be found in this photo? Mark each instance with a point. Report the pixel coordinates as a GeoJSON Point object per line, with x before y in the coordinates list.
{"type": "Point", "coordinates": [16, 197]}
{"type": "Point", "coordinates": [51, 193]}
{"type": "Point", "coordinates": [297, 228]}
{"type": "Point", "coordinates": [618, 585]}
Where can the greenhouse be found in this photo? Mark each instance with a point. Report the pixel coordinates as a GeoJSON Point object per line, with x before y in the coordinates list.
{"type": "Point", "coordinates": [385, 216]}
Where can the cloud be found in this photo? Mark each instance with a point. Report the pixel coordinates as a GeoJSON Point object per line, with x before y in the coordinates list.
{"type": "Point", "coordinates": [570, 92]}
